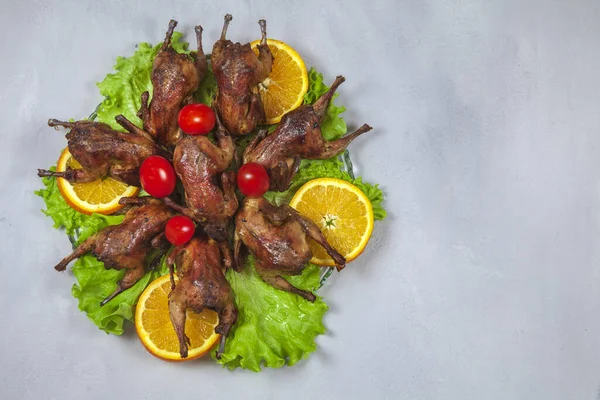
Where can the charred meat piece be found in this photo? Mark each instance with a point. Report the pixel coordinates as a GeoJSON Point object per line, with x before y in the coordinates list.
{"type": "Point", "coordinates": [238, 71]}
{"type": "Point", "coordinates": [277, 237]}
{"type": "Point", "coordinates": [175, 78]}
{"type": "Point", "coordinates": [126, 246]}
{"type": "Point", "coordinates": [104, 152]}
{"type": "Point", "coordinates": [202, 284]}
{"type": "Point", "coordinates": [209, 191]}
{"type": "Point", "coordinates": [297, 136]}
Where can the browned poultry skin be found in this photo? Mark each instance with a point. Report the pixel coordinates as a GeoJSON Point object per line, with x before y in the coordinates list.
{"type": "Point", "coordinates": [209, 191]}
{"type": "Point", "coordinates": [126, 246]}
{"type": "Point", "coordinates": [175, 78]}
{"type": "Point", "coordinates": [277, 237]}
{"type": "Point", "coordinates": [202, 284]}
{"type": "Point", "coordinates": [238, 71]}
{"type": "Point", "coordinates": [104, 152]}
{"type": "Point", "coordinates": [297, 136]}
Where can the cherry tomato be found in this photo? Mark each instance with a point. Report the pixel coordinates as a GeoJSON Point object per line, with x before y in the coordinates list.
{"type": "Point", "coordinates": [157, 176]}
{"type": "Point", "coordinates": [253, 180]}
{"type": "Point", "coordinates": [196, 119]}
{"type": "Point", "coordinates": [179, 230]}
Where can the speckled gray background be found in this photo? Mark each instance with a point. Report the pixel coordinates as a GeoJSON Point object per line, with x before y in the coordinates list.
{"type": "Point", "coordinates": [483, 283]}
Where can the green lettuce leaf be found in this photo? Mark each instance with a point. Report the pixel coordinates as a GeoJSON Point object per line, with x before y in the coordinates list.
{"type": "Point", "coordinates": [122, 89]}
{"type": "Point", "coordinates": [333, 126]}
{"type": "Point", "coordinates": [273, 326]}
{"type": "Point", "coordinates": [316, 87]}
{"type": "Point", "coordinates": [58, 209]}
{"type": "Point", "coordinates": [207, 89]}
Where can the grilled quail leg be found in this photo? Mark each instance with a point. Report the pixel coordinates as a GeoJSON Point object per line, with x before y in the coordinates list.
{"type": "Point", "coordinates": [278, 282]}
{"type": "Point", "coordinates": [128, 280]}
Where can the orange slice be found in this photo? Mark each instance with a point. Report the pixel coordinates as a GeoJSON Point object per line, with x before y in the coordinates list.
{"type": "Point", "coordinates": [342, 211]}
{"type": "Point", "coordinates": [284, 89]}
{"type": "Point", "coordinates": [100, 196]}
{"type": "Point", "coordinates": [154, 328]}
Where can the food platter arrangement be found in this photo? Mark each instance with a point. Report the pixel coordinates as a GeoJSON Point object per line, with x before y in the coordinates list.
{"type": "Point", "coordinates": [208, 196]}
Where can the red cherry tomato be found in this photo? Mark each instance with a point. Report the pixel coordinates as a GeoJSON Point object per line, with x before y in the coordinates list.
{"type": "Point", "coordinates": [253, 180]}
{"type": "Point", "coordinates": [157, 176]}
{"type": "Point", "coordinates": [196, 119]}
{"type": "Point", "coordinates": [179, 230]}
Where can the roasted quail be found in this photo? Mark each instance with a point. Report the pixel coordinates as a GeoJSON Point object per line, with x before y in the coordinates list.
{"type": "Point", "coordinates": [209, 191]}
{"type": "Point", "coordinates": [297, 136]}
{"type": "Point", "coordinates": [238, 71]}
{"type": "Point", "coordinates": [277, 237]}
{"type": "Point", "coordinates": [127, 245]}
{"type": "Point", "coordinates": [104, 152]}
{"type": "Point", "coordinates": [175, 78]}
{"type": "Point", "coordinates": [202, 284]}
